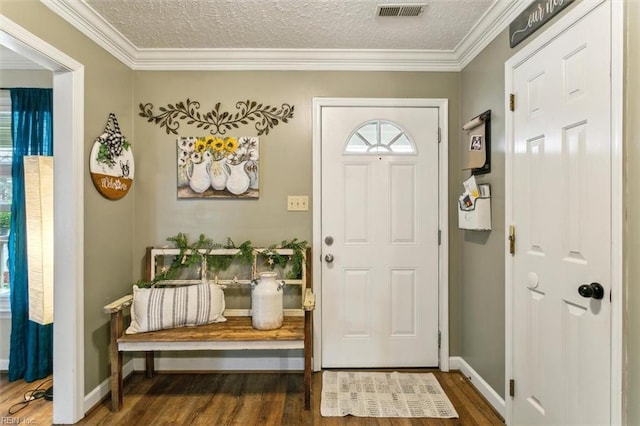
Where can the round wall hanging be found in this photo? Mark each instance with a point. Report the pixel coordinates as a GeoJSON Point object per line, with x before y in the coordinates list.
{"type": "Point", "coordinates": [111, 162]}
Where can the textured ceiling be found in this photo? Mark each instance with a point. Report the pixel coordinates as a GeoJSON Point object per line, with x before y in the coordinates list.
{"type": "Point", "coordinates": [288, 24]}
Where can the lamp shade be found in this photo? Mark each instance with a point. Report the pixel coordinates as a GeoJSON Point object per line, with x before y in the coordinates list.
{"type": "Point", "coordinates": [38, 184]}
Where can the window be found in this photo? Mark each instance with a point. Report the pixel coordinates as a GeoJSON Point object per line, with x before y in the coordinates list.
{"type": "Point", "coordinates": [6, 152]}
{"type": "Point", "coordinates": [379, 137]}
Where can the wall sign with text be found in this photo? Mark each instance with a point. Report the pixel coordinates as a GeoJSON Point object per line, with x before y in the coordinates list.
{"type": "Point", "coordinates": [534, 17]}
{"type": "Point", "coordinates": [111, 162]}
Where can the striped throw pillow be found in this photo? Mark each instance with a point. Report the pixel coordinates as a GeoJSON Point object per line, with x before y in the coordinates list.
{"type": "Point", "coordinates": [170, 307]}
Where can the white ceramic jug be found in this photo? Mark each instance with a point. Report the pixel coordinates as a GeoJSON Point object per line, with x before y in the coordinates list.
{"type": "Point", "coordinates": [238, 181]}
{"type": "Point", "coordinates": [267, 302]}
{"type": "Point", "coordinates": [199, 178]}
{"type": "Point", "coordinates": [219, 174]}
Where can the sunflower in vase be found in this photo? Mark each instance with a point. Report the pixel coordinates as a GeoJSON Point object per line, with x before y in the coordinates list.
{"type": "Point", "coordinates": [217, 147]}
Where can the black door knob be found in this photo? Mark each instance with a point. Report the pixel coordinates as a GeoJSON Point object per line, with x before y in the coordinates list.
{"type": "Point", "coordinates": [593, 290]}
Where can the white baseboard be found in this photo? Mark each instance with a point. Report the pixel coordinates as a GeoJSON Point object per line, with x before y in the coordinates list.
{"type": "Point", "coordinates": [4, 365]}
{"type": "Point", "coordinates": [496, 401]}
{"type": "Point", "coordinates": [94, 397]}
{"type": "Point", "coordinates": [290, 360]}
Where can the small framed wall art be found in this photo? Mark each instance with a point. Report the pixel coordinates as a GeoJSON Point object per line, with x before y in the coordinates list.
{"type": "Point", "coordinates": [216, 167]}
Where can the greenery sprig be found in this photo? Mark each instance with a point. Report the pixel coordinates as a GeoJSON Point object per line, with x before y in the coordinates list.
{"type": "Point", "coordinates": [189, 255]}
{"type": "Point", "coordinates": [223, 262]}
{"type": "Point", "coordinates": [108, 153]}
{"type": "Point", "coordinates": [273, 258]}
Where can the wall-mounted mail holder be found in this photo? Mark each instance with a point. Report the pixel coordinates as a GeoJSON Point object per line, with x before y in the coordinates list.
{"type": "Point", "coordinates": [474, 206]}
{"type": "Point", "coordinates": [477, 217]}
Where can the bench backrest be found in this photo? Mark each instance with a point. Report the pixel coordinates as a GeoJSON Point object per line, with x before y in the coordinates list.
{"type": "Point", "coordinates": [224, 268]}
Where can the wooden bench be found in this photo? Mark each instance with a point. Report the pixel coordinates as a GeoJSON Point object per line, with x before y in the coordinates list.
{"type": "Point", "coordinates": [237, 333]}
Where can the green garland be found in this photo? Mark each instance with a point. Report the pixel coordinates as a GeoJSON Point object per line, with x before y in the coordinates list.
{"type": "Point", "coordinates": [273, 258]}
{"type": "Point", "coordinates": [191, 254]}
{"type": "Point", "coordinates": [246, 253]}
{"type": "Point", "coordinates": [222, 263]}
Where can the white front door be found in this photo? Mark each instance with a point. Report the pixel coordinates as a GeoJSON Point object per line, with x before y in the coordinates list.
{"type": "Point", "coordinates": [561, 210]}
{"type": "Point", "coordinates": [379, 236]}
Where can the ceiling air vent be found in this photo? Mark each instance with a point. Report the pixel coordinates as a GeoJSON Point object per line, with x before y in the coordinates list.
{"type": "Point", "coordinates": [400, 9]}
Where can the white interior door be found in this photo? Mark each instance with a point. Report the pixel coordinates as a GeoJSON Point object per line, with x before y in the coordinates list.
{"type": "Point", "coordinates": [561, 209]}
{"type": "Point", "coordinates": [379, 236]}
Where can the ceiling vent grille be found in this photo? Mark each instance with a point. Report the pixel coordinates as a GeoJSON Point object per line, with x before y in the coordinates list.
{"type": "Point", "coordinates": [400, 10]}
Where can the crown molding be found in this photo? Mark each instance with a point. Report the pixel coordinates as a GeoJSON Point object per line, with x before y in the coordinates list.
{"type": "Point", "coordinates": [295, 60]}
{"type": "Point", "coordinates": [79, 14]}
{"type": "Point", "coordinates": [492, 23]}
{"type": "Point", "coordinates": [85, 19]}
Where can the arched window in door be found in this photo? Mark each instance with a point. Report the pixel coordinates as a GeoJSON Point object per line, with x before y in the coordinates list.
{"type": "Point", "coordinates": [380, 137]}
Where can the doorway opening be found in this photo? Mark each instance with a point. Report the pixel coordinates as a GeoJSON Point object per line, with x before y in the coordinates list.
{"type": "Point", "coordinates": [68, 116]}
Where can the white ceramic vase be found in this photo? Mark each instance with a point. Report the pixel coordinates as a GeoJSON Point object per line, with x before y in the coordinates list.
{"type": "Point", "coordinates": [238, 181]}
{"type": "Point", "coordinates": [199, 179]}
{"type": "Point", "coordinates": [219, 174]}
{"type": "Point", "coordinates": [267, 311]}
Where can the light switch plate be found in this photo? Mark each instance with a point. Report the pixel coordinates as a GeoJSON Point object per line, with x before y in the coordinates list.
{"type": "Point", "coordinates": [297, 203]}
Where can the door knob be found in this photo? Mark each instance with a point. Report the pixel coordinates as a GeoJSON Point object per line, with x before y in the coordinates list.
{"type": "Point", "coordinates": [328, 258]}
{"type": "Point", "coordinates": [593, 290]}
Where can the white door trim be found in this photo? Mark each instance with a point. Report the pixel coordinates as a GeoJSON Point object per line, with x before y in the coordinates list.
{"type": "Point", "coordinates": [617, 28]}
{"type": "Point", "coordinates": [68, 127]}
{"type": "Point", "coordinates": [443, 159]}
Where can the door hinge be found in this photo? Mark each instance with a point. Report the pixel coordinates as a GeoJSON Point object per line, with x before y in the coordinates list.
{"type": "Point", "coordinates": [512, 239]}
{"type": "Point", "coordinates": [439, 237]}
{"type": "Point", "coordinates": [512, 102]}
{"type": "Point", "coordinates": [512, 387]}
{"type": "Point", "coordinates": [439, 339]}
{"type": "Point", "coordinates": [439, 134]}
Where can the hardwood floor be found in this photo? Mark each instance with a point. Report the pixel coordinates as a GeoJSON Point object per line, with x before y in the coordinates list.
{"type": "Point", "coordinates": [13, 398]}
{"type": "Point", "coordinates": [234, 399]}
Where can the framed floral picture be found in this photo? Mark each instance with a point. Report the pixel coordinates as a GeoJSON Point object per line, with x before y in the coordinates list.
{"type": "Point", "coordinates": [215, 167]}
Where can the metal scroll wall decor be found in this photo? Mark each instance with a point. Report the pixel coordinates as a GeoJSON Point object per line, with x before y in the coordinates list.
{"type": "Point", "coordinates": [217, 122]}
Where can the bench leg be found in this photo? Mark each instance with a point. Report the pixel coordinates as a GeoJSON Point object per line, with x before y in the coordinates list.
{"type": "Point", "coordinates": [307, 359]}
{"type": "Point", "coordinates": [116, 363]}
{"type": "Point", "coordinates": [149, 364]}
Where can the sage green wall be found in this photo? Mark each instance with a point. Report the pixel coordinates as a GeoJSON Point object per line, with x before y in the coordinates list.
{"type": "Point", "coordinates": [632, 223]}
{"type": "Point", "coordinates": [108, 225]}
{"type": "Point", "coordinates": [8, 79]}
{"type": "Point", "coordinates": [482, 252]}
{"type": "Point", "coordinates": [285, 154]}
{"type": "Point", "coordinates": [26, 78]}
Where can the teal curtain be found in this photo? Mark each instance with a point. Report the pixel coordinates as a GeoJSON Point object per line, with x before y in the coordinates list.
{"type": "Point", "coordinates": [31, 347]}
